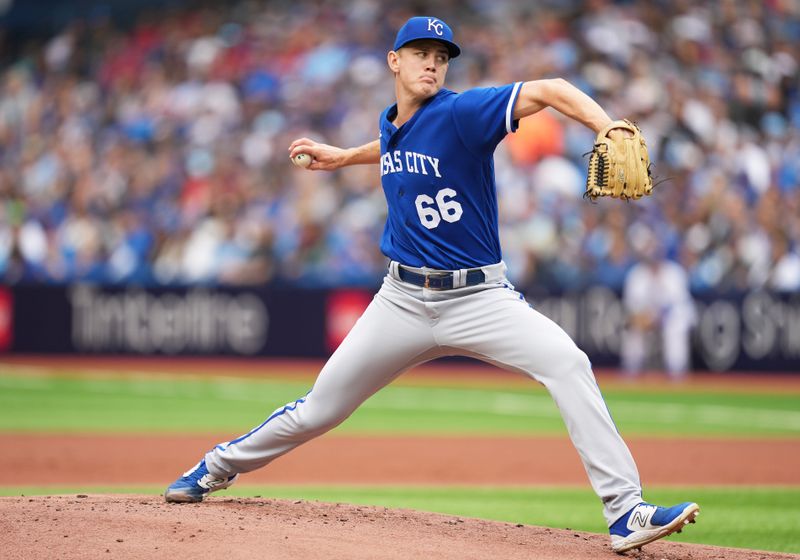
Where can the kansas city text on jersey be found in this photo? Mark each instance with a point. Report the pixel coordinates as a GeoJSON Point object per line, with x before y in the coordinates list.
{"type": "Point", "coordinates": [410, 162]}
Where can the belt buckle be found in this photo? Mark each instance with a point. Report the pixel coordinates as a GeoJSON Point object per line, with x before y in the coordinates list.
{"type": "Point", "coordinates": [438, 275]}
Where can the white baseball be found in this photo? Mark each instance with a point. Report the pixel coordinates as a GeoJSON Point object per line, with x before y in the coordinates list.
{"type": "Point", "coordinates": [302, 160]}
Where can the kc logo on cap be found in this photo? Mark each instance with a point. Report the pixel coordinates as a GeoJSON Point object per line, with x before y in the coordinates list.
{"type": "Point", "coordinates": [425, 27]}
{"type": "Point", "coordinates": [436, 25]}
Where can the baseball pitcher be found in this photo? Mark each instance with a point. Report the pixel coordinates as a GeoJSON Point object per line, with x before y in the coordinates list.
{"type": "Point", "coordinates": [445, 292]}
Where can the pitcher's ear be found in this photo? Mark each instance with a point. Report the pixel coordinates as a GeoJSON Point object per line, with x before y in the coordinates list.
{"type": "Point", "coordinates": [392, 59]}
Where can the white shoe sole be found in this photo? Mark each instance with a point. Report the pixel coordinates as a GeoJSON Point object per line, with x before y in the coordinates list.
{"type": "Point", "coordinates": [638, 539]}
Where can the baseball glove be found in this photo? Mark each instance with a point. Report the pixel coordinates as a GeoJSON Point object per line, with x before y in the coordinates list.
{"type": "Point", "coordinates": [619, 167]}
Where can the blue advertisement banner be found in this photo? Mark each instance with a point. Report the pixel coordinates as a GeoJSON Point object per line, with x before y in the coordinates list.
{"type": "Point", "coordinates": [756, 331]}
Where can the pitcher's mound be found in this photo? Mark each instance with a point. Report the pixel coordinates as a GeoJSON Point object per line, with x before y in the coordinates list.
{"type": "Point", "coordinates": [124, 526]}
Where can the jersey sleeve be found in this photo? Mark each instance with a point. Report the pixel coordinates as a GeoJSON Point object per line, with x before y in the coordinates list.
{"type": "Point", "coordinates": [483, 116]}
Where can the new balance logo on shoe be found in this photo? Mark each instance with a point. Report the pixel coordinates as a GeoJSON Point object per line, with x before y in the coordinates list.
{"type": "Point", "coordinates": [641, 517]}
{"type": "Point", "coordinates": [210, 481]}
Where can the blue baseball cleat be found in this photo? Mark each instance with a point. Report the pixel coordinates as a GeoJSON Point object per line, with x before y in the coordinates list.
{"type": "Point", "coordinates": [195, 484]}
{"type": "Point", "coordinates": [646, 523]}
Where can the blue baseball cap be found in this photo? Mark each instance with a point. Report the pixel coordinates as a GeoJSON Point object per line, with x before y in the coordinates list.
{"type": "Point", "coordinates": [424, 27]}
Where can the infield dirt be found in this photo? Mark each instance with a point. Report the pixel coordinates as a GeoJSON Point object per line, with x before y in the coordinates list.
{"type": "Point", "coordinates": [125, 459]}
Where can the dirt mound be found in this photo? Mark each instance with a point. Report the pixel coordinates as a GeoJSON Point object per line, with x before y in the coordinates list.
{"type": "Point", "coordinates": [91, 527]}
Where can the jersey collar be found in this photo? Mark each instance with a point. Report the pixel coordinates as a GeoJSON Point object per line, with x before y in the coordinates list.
{"type": "Point", "coordinates": [388, 129]}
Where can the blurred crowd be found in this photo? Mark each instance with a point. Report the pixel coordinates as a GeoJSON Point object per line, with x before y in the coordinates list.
{"type": "Point", "coordinates": [156, 153]}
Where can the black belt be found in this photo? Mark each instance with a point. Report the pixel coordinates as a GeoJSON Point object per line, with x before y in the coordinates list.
{"type": "Point", "coordinates": [439, 280]}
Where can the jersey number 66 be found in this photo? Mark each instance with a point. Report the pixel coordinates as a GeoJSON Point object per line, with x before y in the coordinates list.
{"type": "Point", "coordinates": [446, 208]}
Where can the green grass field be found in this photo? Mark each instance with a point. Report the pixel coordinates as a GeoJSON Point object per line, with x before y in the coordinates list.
{"type": "Point", "coordinates": [46, 400]}
{"type": "Point", "coordinates": [202, 404]}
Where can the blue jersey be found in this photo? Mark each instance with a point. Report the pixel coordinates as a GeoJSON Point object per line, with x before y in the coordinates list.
{"type": "Point", "coordinates": [437, 172]}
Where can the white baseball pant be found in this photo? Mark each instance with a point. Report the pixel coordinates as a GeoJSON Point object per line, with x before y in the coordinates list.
{"type": "Point", "coordinates": [406, 325]}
